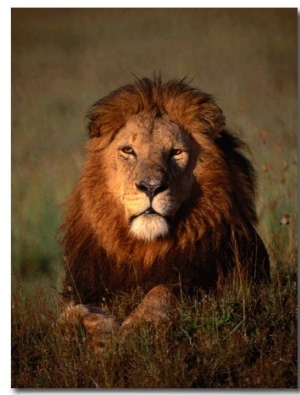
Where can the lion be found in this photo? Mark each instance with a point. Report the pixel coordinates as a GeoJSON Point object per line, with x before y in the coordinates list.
{"type": "Point", "coordinates": [165, 202]}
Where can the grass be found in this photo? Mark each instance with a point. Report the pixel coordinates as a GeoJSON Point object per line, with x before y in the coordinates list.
{"type": "Point", "coordinates": [64, 60]}
{"type": "Point", "coordinates": [236, 337]}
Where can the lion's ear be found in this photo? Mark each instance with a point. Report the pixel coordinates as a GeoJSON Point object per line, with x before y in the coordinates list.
{"type": "Point", "coordinates": [93, 117]}
{"type": "Point", "coordinates": [105, 118]}
{"type": "Point", "coordinates": [213, 119]}
{"type": "Point", "coordinates": [94, 129]}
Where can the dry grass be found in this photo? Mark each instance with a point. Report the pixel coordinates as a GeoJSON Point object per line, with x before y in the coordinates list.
{"type": "Point", "coordinates": [237, 337]}
{"type": "Point", "coordinates": [62, 61]}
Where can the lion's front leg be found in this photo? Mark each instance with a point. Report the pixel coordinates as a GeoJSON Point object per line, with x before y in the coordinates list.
{"type": "Point", "coordinates": [98, 323]}
{"type": "Point", "coordinates": [159, 306]}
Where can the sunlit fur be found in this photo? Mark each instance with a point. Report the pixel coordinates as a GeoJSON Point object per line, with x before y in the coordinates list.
{"type": "Point", "coordinates": [206, 218]}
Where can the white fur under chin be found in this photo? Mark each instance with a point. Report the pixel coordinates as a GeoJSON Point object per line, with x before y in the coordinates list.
{"type": "Point", "coordinates": [149, 227]}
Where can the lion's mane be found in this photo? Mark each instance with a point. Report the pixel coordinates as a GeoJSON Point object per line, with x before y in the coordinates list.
{"type": "Point", "coordinates": [212, 232]}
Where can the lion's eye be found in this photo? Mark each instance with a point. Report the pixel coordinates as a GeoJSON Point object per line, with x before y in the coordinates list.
{"type": "Point", "coordinates": [127, 150]}
{"type": "Point", "coordinates": [176, 152]}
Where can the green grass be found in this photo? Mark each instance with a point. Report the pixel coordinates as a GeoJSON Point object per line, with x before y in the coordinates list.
{"type": "Point", "coordinates": [64, 60]}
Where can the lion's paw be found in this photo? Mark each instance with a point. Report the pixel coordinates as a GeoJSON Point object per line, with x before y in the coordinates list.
{"type": "Point", "coordinates": [158, 307]}
{"type": "Point", "coordinates": [98, 323]}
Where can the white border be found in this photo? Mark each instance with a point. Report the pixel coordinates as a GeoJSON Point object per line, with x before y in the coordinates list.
{"type": "Point", "coordinates": [5, 197]}
{"type": "Point", "coordinates": [5, 146]}
{"type": "Point", "coordinates": [149, 4]}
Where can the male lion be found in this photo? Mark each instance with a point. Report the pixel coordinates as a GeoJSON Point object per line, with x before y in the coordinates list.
{"type": "Point", "coordinates": [165, 201]}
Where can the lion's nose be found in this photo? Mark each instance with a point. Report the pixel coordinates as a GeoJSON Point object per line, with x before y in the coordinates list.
{"type": "Point", "coordinates": [151, 190]}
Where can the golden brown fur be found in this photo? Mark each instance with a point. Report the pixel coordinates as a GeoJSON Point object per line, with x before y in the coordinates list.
{"type": "Point", "coordinates": [208, 196]}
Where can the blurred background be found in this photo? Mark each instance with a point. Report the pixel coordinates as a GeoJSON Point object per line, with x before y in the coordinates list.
{"type": "Point", "coordinates": [63, 60]}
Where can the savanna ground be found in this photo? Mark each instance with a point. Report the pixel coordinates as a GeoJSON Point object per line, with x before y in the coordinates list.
{"type": "Point", "coordinates": [62, 61]}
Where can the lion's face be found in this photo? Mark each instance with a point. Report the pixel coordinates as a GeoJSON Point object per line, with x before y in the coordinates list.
{"type": "Point", "coordinates": [151, 174]}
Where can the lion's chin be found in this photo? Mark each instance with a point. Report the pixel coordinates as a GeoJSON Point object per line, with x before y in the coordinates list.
{"type": "Point", "coordinates": [149, 227]}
